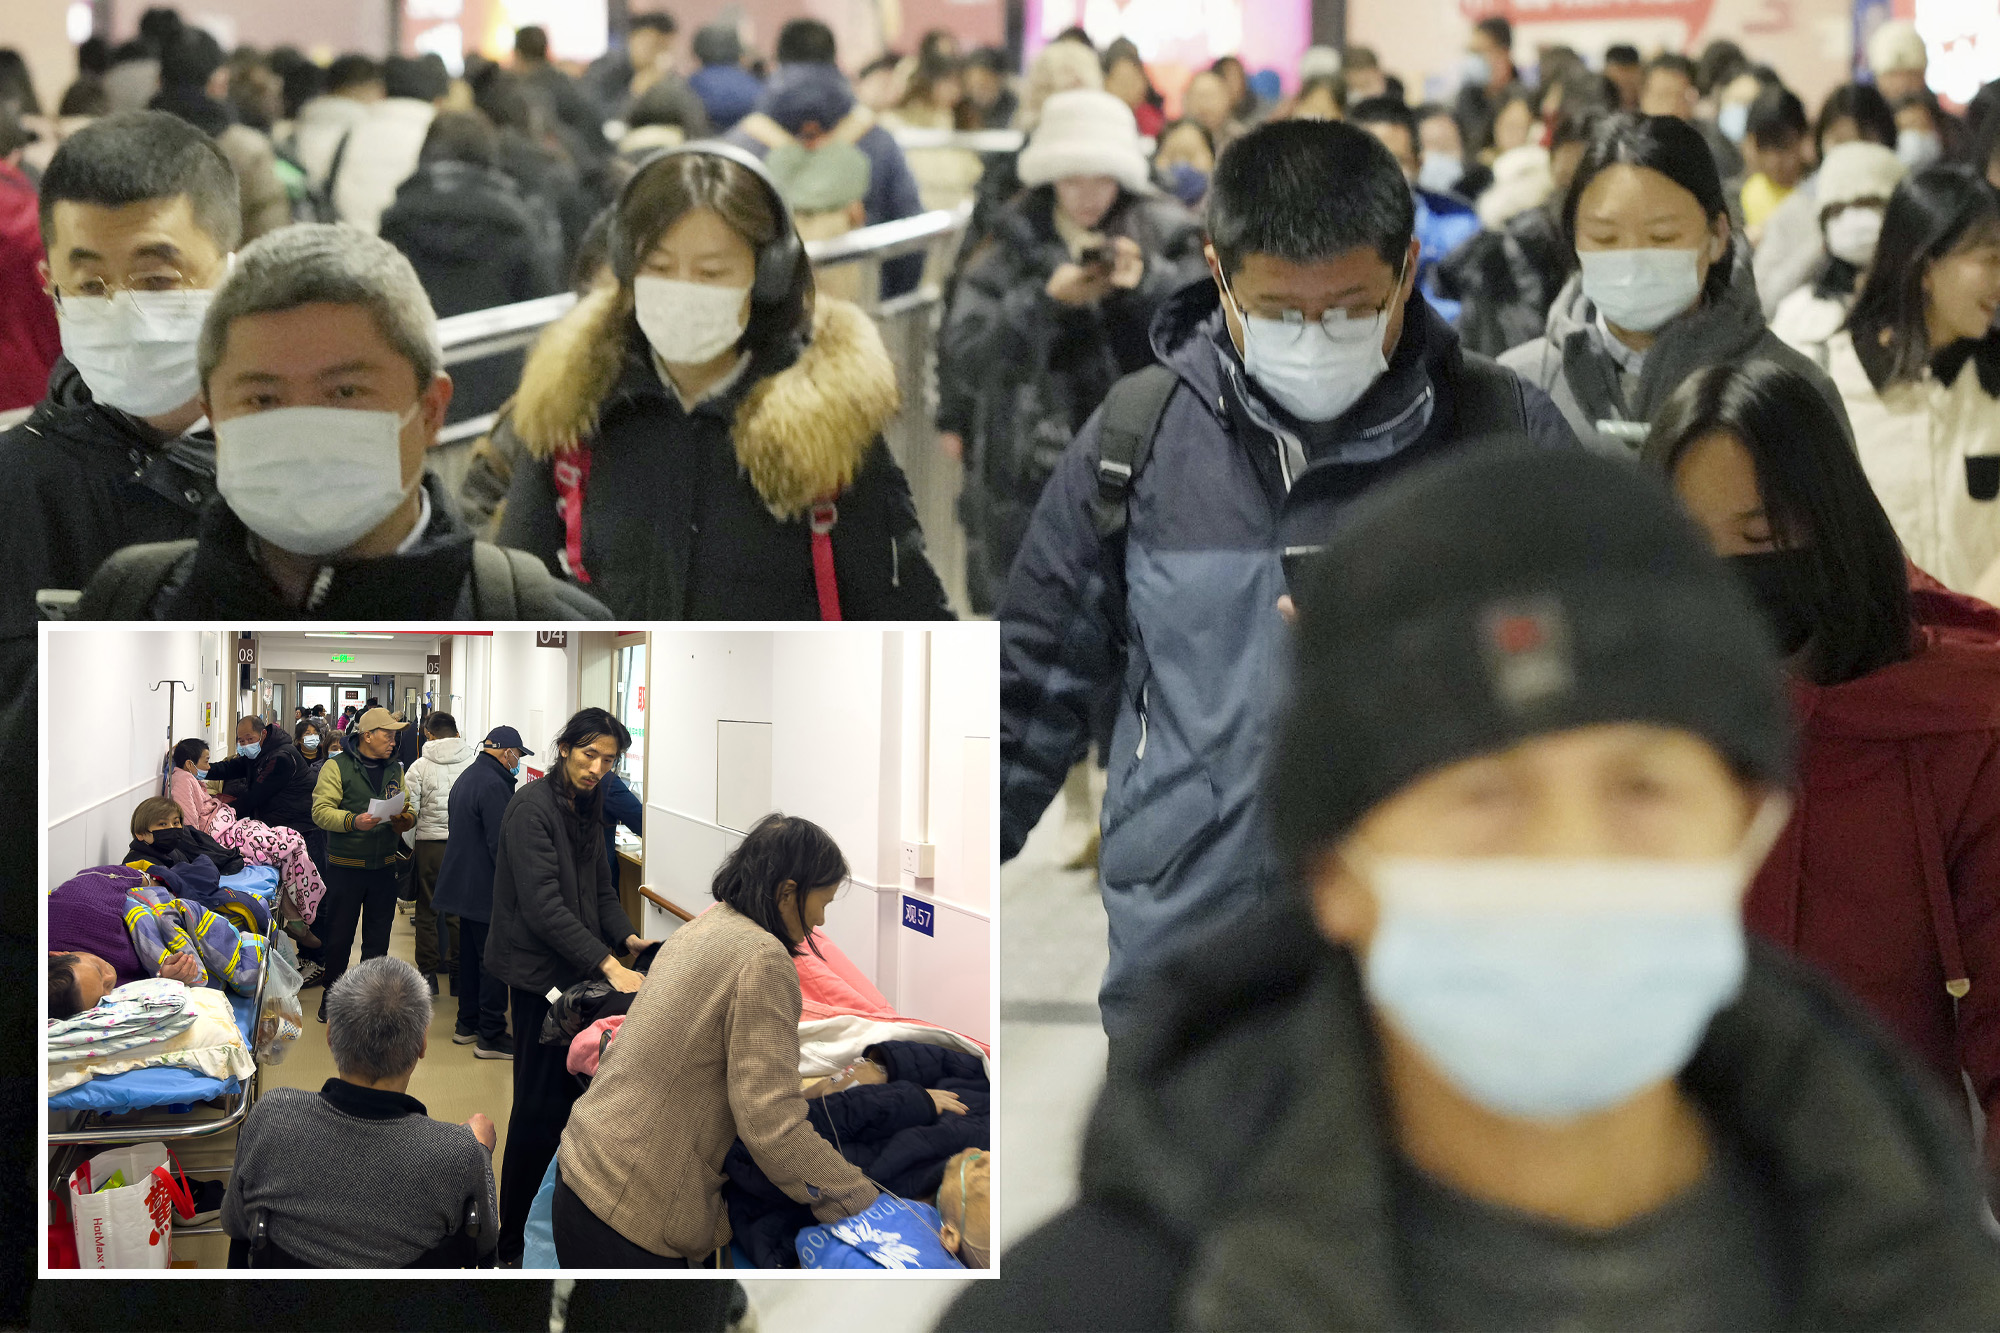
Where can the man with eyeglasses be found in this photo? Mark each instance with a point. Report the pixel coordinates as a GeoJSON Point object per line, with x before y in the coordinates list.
{"type": "Point", "coordinates": [139, 213]}
{"type": "Point", "coordinates": [1306, 373]}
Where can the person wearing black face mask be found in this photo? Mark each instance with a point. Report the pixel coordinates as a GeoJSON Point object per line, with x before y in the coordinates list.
{"type": "Point", "coordinates": [1884, 877]}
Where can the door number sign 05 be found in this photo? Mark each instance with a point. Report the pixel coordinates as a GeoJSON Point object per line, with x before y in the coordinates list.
{"type": "Point", "coordinates": [919, 916]}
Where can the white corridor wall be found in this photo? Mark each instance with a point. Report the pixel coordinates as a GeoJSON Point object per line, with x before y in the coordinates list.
{"type": "Point", "coordinates": [841, 707]}
{"type": "Point", "coordinates": [101, 680]}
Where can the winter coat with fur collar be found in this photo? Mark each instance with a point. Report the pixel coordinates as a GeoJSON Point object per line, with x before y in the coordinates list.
{"type": "Point", "coordinates": [701, 514]}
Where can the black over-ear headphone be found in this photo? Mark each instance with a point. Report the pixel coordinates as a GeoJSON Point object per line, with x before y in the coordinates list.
{"type": "Point", "coordinates": [777, 262]}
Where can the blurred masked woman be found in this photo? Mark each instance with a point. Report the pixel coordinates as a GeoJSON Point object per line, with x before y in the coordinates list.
{"type": "Point", "coordinates": [1888, 877]}
{"type": "Point", "coordinates": [703, 440]}
{"type": "Point", "coordinates": [708, 1054]}
{"type": "Point", "coordinates": [1920, 369]}
{"type": "Point", "coordinates": [1662, 290]}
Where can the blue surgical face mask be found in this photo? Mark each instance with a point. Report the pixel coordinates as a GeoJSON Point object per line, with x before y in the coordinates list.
{"type": "Point", "coordinates": [1549, 989]}
{"type": "Point", "coordinates": [201, 775]}
{"type": "Point", "coordinates": [1918, 148]}
{"type": "Point", "coordinates": [1640, 290]}
{"type": "Point", "coordinates": [1474, 71]}
{"type": "Point", "coordinates": [252, 750]}
{"type": "Point", "coordinates": [1734, 121]}
{"type": "Point", "coordinates": [1189, 183]}
{"type": "Point", "coordinates": [1315, 371]}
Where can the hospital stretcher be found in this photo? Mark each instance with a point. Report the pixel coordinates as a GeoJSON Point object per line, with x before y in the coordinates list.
{"type": "Point", "coordinates": [162, 1104]}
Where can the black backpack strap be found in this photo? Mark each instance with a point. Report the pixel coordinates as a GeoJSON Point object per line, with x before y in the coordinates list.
{"type": "Point", "coordinates": [1489, 399]}
{"type": "Point", "coordinates": [333, 167]}
{"type": "Point", "coordinates": [1132, 412]}
{"type": "Point", "coordinates": [126, 585]}
{"type": "Point", "coordinates": [496, 582]}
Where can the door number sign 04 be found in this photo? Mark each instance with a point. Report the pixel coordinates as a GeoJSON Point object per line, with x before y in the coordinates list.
{"type": "Point", "coordinates": [919, 915]}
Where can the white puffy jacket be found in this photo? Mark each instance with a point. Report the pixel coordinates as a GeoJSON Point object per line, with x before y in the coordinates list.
{"type": "Point", "coordinates": [429, 783]}
{"type": "Point", "coordinates": [381, 154]}
{"type": "Point", "coordinates": [1916, 441]}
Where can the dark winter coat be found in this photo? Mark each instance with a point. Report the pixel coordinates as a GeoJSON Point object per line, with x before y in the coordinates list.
{"type": "Point", "coordinates": [1196, 645]}
{"type": "Point", "coordinates": [1505, 281]}
{"type": "Point", "coordinates": [1020, 372]}
{"type": "Point", "coordinates": [819, 94]}
{"type": "Point", "coordinates": [702, 515]}
{"type": "Point", "coordinates": [555, 909]}
{"type": "Point", "coordinates": [1886, 876]}
{"type": "Point", "coordinates": [179, 847]}
{"type": "Point", "coordinates": [1237, 1173]}
{"type": "Point", "coordinates": [729, 92]}
{"type": "Point", "coordinates": [620, 807]}
{"type": "Point", "coordinates": [281, 782]}
{"type": "Point", "coordinates": [86, 480]}
{"type": "Point", "coordinates": [479, 799]}
{"type": "Point", "coordinates": [471, 238]}
{"type": "Point", "coordinates": [216, 577]}
{"type": "Point", "coordinates": [891, 1130]}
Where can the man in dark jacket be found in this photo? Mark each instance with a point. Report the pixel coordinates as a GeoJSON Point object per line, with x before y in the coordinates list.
{"type": "Point", "coordinates": [280, 786]}
{"type": "Point", "coordinates": [360, 801]}
{"type": "Point", "coordinates": [1271, 431]}
{"type": "Point", "coordinates": [808, 99]}
{"type": "Point", "coordinates": [321, 370]}
{"type": "Point", "coordinates": [566, 102]}
{"type": "Point", "coordinates": [464, 888]}
{"type": "Point", "coordinates": [556, 921]}
{"type": "Point", "coordinates": [141, 207]}
{"type": "Point", "coordinates": [1504, 1057]}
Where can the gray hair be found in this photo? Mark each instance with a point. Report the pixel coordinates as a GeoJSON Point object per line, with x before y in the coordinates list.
{"type": "Point", "coordinates": [313, 263]}
{"type": "Point", "coordinates": [377, 1016]}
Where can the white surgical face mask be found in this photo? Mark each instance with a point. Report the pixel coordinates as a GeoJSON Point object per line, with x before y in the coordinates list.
{"type": "Point", "coordinates": [1852, 233]}
{"type": "Point", "coordinates": [135, 350]}
{"type": "Point", "coordinates": [1440, 172]}
{"type": "Point", "coordinates": [312, 480]}
{"type": "Point", "coordinates": [1549, 989]}
{"type": "Point", "coordinates": [1918, 148]}
{"type": "Point", "coordinates": [1734, 121]}
{"type": "Point", "coordinates": [1315, 371]}
{"type": "Point", "coordinates": [1640, 290]}
{"type": "Point", "coordinates": [688, 323]}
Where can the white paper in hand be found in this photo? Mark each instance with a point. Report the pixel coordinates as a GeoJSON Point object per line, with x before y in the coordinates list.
{"type": "Point", "coordinates": [388, 807]}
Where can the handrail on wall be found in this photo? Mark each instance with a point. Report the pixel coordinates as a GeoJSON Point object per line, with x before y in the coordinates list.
{"type": "Point", "coordinates": [665, 906]}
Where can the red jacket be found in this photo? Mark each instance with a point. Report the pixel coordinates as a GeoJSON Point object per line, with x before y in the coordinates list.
{"type": "Point", "coordinates": [1888, 876]}
{"type": "Point", "coordinates": [29, 343]}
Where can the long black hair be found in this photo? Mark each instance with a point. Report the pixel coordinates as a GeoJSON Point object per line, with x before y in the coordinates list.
{"type": "Point", "coordinates": [583, 727]}
{"type": "Point", "coordinates": [781, 847]}
{"type": "Point", "coordinates": [1863, 104]}
{"type": "Point", "coordinates": [1929, 215]}
{"type": "Point", "coordinates": [1854, 582]}
{"type": "Point", "coordinates": [194, 747]}
{"type": "Point", "coordinates": [1664, 144]}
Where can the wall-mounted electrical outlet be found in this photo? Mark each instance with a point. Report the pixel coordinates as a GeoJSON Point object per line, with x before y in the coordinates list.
{"type": "Point", "coordinates": [920, 859]}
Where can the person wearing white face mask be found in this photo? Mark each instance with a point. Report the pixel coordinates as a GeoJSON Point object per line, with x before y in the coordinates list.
{"type": "Point", "coordinates": [1663, 286]}
{"type": "Point", "coordinates": [1304, 373]}
{"type": "Point", "coordinates": [139, 214]}
{"type": "Point", "coordinates": [1852, 188]}
{"type": "Point", "coordinates": [320, 367]}
{"type": "Point", "coordinates": [1498, 1052]}
{"type": "Point", "coordinates": [701, 438]}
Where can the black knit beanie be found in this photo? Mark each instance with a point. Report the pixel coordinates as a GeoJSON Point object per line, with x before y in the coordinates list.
{"type": "Point", "coordinates": [1502, 594]}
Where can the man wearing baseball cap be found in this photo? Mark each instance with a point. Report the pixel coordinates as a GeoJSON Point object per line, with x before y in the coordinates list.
{"type": "Point", "coordinates": [363, 851]}
{"type": "Point", "coordinates": [465, 888]}
{"type": "Point", "coordinates": [1503, 1056]}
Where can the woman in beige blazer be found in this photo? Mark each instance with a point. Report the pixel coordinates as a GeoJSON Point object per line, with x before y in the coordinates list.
{"type": "Point", "coordinates": [708, 1054]}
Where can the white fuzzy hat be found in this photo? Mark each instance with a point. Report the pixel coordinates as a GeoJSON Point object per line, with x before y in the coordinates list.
{"type": "Point", "coordinates": [1318, 61]}
{"type": "Point", "coordinates": [1896, 46]}
{"type": "Point", "coordinates": [1521, 181]}
{"type": "Point", "coordinates": [1086, 133]}
{"type": "Point", "coordinates": [1858, 170]}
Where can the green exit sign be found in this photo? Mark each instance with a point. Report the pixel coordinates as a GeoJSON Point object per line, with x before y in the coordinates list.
{"type": "Point", "coordinates": [343, 657]}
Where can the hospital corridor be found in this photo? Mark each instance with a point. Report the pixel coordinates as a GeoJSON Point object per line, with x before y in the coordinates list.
{"type": "Point", "coordinates": [858, 762]}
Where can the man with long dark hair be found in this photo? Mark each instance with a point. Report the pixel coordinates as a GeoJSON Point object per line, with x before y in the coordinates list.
{"type": "Point", "coordinates": [556, 921]}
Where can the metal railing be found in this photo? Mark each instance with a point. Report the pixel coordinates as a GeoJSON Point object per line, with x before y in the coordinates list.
{"type": "Point", "coordinates": [909, 325]}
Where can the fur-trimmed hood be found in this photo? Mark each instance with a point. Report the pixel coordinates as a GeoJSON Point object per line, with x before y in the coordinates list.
{"type": "Point", "coordinates": [801, 434]}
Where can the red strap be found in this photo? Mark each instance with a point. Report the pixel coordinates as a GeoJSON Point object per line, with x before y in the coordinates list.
{"type": "Point", "coordinates": [181, 1194]}
{"type": "Point", "coordinates": [572, 474]}
{"type": "Point", "coordinates": [823, 517]}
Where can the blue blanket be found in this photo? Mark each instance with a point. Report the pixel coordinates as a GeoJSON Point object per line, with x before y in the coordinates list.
{"type": "Point", "coordinates": [143, 1089]}
{"type": "Point", "coordinates": [891, 1233]}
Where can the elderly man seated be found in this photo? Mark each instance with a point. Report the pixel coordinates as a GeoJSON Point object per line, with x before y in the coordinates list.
{"type": "Point", "coordinates": [357, 1175]}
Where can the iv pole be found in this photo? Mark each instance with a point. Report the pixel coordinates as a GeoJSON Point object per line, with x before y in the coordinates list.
{"type": "Point", "coordinates": [167, 763]}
